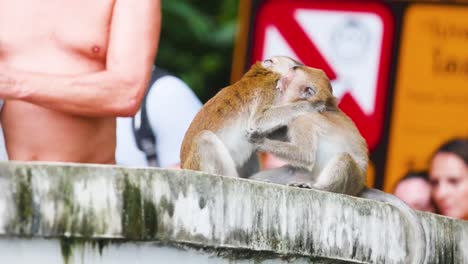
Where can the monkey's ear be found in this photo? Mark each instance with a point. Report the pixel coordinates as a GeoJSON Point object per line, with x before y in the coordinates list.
{"type": "Point", "coordinates": [307, 92]}
{"type": "Point", "coordinates": [281, 83]}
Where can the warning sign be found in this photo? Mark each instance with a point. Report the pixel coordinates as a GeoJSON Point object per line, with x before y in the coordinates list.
{"type": "Point", "coordinates": [431, 93]}
{"type": "Point", "coordinates": [351, 43]}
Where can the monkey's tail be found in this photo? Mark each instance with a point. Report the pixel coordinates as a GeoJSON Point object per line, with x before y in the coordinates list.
{"type": "Point", "coordinates": [417, 233]}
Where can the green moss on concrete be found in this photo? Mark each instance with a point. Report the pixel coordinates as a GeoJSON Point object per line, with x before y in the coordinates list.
{"type": "Point", "coordinates": [67, 220]}
{"type": "Point", "coordinates": [68, 245]}
{"type": "Point", "coordinates": [23, 203]}
{"type": "Point", "coordinates": [66, 248]}
{"type": "Point", "coordinates": [88, 224]}
{"type": "Point", "coordinates": [166, 206]}
{"type": "Point", "coordinates": [150, 219]}
{"type": "Point", "coordinates": [70, 219]}
{"type": "Point", "coordinates": [139, 216]}
{"type": "Point", "coordinates": [132, 225]}
{"type": "Point", "coordinates": [101, 243]}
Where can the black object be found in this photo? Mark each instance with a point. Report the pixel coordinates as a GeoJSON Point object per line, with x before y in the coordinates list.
{"type": "Point", "coordinates": [144, 136]}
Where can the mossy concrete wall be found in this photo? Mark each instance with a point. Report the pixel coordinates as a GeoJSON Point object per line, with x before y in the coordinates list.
{"type": "Point", "coordinates": [76, 213]}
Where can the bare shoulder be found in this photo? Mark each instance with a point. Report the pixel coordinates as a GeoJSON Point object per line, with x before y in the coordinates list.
{"type": "Point", "coordinates": [148, 9]}
{"type": "Point", "coordinates": [134, 37]}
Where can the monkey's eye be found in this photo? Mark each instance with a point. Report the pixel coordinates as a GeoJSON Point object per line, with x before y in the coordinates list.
{"type": "Point", "coordinates": [307, 92]}
{"type": "Point", "coordinates": [267, 63]}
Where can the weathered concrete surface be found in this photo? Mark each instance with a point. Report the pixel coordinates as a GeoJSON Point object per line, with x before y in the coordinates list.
{"type": "Point", "coordinates": [39, 250]}
{"type": "Point", "coordinates": [229, 220]}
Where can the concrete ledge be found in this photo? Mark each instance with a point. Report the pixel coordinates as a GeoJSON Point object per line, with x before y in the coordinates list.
{"type": "Point", "coordinates": [235, 220]}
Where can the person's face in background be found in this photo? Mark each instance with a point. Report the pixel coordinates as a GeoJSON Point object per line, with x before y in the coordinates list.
{"type": "Point", "coordinates": [449, 178]}
{"type": "Point", "coordinates": [416, 192]}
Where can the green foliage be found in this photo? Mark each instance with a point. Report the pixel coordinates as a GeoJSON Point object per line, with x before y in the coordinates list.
{"type": "Point", "coordinates": [196, 42]}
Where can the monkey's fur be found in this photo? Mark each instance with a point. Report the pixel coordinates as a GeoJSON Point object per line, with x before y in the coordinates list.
{"type": "Point", "coordinates": [216, 141]}
{"type": "Point", "coordinates": [324, 149]}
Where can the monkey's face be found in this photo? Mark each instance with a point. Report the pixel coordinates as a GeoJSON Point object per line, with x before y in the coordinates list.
{"type": "Point", "coordinates": [305, 83]}
{"type": "Point", "coordinates": [280, 64]}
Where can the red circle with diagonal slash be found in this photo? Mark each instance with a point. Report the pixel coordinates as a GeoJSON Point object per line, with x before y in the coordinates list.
{"type": "Point", "coordinates": [279, 13]}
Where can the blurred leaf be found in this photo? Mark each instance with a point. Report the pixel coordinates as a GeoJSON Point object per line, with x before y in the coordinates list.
{"type": "Point", "coordinates": [196, 42]}
{"type": "Point", "coordinates": [194, 20]}
{"type": "Point", "coordinates": [225, 34]}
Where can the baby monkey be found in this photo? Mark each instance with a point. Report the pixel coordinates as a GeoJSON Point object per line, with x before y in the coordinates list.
{"type": "Point", "coordinates": [324, 148]}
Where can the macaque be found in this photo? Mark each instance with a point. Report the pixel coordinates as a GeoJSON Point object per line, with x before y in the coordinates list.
{"type": "Point", "coordinates": [216, 141]}
{"type": "Point", "coordinates": [324, 148]}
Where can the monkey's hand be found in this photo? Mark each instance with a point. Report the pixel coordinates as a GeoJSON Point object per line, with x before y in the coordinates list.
{"type": "Point", "coordinates": [254, 136]}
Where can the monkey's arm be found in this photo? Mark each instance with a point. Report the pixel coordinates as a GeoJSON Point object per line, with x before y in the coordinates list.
{"type": "Point", "coordinates": [272, 118]}
{"type": "Point", "coordinates": [288, 151]}
{"type": "Point", "coordinates": [301, 148]}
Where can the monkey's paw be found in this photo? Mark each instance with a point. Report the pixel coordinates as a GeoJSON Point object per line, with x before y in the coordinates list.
{"type": "Point", "coordinates": [254, 136]}
{"type": "Point", "coordinates": [305, 185]}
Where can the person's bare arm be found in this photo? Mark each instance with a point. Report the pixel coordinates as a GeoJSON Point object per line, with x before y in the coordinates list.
{"type": "Point", "coordinates": [115, 91]}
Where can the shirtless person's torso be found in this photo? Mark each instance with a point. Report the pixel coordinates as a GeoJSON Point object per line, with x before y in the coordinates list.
{"type": "Point", "coordinates": [55, 40]}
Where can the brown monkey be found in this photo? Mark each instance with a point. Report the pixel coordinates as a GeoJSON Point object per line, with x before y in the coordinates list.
{"type": "Point", "coordinates": [216, 142]}
{"type": "Point", "coordinates": [324, 149]}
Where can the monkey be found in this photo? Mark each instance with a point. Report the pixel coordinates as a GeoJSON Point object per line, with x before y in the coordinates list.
{"type": "Point", "coordinates": [215, 142]}
{"type": "Point", "coordinates": [324, 149]}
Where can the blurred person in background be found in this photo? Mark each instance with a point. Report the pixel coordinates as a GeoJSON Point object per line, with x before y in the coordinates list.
{"type": "Point", "coordinates": [68, 69]}
{"type": "Point", "coordinates": [270, 161]}
{"type": "Point", "coordinates": [449, 178]}
{"type": "Point", "coordinates": [154, 135]}
{"type": "Point", "coordinates": [415, 190]}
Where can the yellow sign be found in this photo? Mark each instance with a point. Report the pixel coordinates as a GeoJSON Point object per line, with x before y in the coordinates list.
{"type": "Point", "coordinates": [431, 93]}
